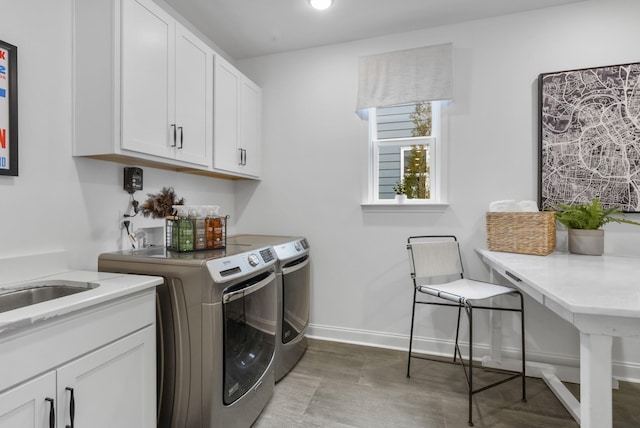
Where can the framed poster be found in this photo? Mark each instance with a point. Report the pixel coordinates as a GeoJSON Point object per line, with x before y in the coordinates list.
{"type": "Point", "coordinates": [8, 109]}
{"type": "Point", "coordinates": [589, 137]}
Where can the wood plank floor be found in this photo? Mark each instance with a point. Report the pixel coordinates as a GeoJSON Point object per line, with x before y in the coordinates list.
{"type": "Point", "coordinates": [347, 386]}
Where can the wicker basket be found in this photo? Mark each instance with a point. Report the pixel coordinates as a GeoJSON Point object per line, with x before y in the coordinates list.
{"type": "Point", "coordinates": [522, 232]}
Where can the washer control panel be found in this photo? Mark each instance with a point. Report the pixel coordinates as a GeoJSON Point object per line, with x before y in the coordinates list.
{"type": "Point", "coordinates": [253, 259]}
{"type": "Point", "coordinates": [239, 265]}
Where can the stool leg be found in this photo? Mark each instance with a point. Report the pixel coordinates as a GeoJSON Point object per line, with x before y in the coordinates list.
{"type": "Point", "coordinates": [457, 333]}
{"type": "Point", "coordinates": [413, 314]}
{"type": "Point", "coordinates": [470, 314]}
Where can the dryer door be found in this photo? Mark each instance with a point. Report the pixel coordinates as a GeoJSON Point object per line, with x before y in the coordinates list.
{"type": "Point", "coordinates": [296, 291]}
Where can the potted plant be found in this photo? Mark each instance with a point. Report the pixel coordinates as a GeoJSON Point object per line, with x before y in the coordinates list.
{"type": "Point", "coordinates": [401, 191]}
{"type": "Point", "coordinates": [584, 223]}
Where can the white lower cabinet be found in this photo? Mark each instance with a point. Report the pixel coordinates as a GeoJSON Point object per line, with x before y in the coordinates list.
{"type": "Point", "coordinates": [104, 389]}
{"type": "Point", "coordinates": [30, 405]}
{"type": "Point", "coordinates": [95, 368]}
{"type": "Point", "coordinates": [110, 387]}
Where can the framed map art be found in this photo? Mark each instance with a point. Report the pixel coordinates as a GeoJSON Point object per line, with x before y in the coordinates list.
{"type": "Point", "coordinates": [8, 109]}
{"type": "Point", "coordinates": [589, 137]}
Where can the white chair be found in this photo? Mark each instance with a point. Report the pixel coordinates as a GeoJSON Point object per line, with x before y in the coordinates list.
{"type": "Point", "coordinates": [436, 271]}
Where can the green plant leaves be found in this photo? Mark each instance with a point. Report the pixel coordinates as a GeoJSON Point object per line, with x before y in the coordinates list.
{"type": "Point", "coordinates": [589, 216]}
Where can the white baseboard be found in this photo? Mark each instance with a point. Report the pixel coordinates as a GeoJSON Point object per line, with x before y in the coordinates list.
{"type": "Point", "coordinates": [566, 367]}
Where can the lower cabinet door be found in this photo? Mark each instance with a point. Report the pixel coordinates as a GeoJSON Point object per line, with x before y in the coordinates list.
{"type": "Point", "coordinates": [30, 405]}
{"type": "Point", "coordinates": [111, 387]}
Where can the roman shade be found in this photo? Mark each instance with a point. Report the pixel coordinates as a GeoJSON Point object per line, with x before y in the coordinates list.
{"type": "Point", "coordinates": [407, 76]}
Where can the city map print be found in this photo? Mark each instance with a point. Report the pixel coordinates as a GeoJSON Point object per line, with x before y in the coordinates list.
{"type": "Point", "coordinates": [590, 137]}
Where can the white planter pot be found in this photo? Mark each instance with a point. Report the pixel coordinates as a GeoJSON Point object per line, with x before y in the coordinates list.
{"type": "Point", "coordinates": [401, 199]}
{"type": "Point", "coordinates": [588, 242]}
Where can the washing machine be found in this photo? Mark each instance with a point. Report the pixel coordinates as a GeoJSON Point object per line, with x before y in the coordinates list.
{"type": "Point", "coordinates": [293, 274]}
{"type": "Point", "coordinates": [216, 331]}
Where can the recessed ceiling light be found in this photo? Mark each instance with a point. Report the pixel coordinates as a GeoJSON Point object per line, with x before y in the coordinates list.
{"type": "Point", "coordinates": [321, 4]}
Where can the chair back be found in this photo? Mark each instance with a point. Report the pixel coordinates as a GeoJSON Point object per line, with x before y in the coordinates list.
{"type": "Point", "coordinates": [438, 256]}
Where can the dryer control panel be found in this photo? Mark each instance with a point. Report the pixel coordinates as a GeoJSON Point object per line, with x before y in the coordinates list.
{"type": "Point", "coordinates": [291, 249]}
{"type": "Point", "coordinates": [240, 265]}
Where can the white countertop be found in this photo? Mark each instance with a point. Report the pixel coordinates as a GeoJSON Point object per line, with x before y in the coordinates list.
{"type": "Point", "coordinates": [24, 270]}
{"type": "Point", "coordinates": [594, 285]}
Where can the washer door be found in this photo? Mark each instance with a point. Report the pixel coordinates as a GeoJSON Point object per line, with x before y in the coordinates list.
{"type": "Point", "coordinates": [249, 311]}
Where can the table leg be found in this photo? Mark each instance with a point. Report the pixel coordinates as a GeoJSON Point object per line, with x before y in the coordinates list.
{"type": "Point", "coordinates": [595, 381]}
{"type": "Point", "coordinates": [495, 318]}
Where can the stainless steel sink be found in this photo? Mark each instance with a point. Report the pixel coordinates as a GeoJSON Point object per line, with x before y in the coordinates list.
{"type": "Point", "coordinates": [38, 292]}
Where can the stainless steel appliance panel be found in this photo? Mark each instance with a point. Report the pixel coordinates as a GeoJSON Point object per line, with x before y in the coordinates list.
{"type": "Point", "coordinates": [191, 337]}
{"type": "Point", "coordinates": [179, 319]}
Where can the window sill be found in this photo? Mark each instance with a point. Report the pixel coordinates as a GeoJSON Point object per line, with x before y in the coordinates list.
{"type": "Point", "coordinates": [405, 207]}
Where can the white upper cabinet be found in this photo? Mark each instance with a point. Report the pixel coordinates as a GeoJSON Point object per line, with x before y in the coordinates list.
{"type": "Point", "coordinates": [237, 121]}
{"type": "Point", "coordinates": [143, 86]}
{"type": "Point", "coordinates": [251, 127]}
{"type": "Point", "coordinates": [194, 98]}
{"type": "Point", "coordinates": [226, 120]}
{"type": "Point", "coordinates": [148, 78]}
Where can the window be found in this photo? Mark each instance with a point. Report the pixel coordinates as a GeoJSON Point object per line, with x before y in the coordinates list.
{"type": "Point", "coordinates": [406, 142]}
{"type": "Point", "coordinates": [405, 148]}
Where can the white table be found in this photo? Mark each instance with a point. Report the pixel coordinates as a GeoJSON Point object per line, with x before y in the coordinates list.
{"type": "Point", "coordinates": [600, 296]}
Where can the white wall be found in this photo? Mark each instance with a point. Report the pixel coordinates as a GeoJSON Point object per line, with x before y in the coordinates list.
{"type": "Point", "coordinates": [315, 160]}
{"type": "Point", "coordinates": [57, 201]}
{"type": "Point", "coordinates": [315, 165]}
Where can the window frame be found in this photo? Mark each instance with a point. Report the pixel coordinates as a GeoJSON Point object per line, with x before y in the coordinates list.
{"type": "Point", "coordinates": [438, 158]}
{"type": "Point", "coordinates": [404, 145]}
{"type": "Point", "coordinates": [431, 143]}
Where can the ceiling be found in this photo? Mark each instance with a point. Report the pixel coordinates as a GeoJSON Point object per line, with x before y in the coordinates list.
{"type": "Point", "coordinates": [248, 28]}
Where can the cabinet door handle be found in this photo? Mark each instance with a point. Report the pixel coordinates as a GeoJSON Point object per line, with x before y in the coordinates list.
{"type": "Point", "coordinates": [181, 137]}
{"type": "Point", "coordinates": [241, 156]}
{"type": "Point", "coordinates": [72, 408]}
{"type": "Point", "coordinates": [52, 413]}
{"type": "Point", "coordinates": [245, 157]}
{"type": "Point", "coordinates": [173, 125]}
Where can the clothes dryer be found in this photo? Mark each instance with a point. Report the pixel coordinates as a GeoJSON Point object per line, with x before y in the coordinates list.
{"type": "Point", "coordinates": [293, 274]}
{"type": "Point", "coordinates": [216, 331]}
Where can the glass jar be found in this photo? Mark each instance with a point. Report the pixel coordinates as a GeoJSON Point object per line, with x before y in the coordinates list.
{"type": "Point", "coordinates": [185, 237]}
{"type": "Point", "coordinates": [213, 230]}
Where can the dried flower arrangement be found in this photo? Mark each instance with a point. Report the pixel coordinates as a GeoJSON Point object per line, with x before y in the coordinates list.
{"type": "Point", "coordinates": [160, 205]}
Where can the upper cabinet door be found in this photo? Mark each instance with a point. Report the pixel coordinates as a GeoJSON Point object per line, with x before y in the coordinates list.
{"type": "Point", "coordinates": [250, 131]}
{"type": "Point", "coordinates": [237, 121]}
{"type": "Point", "coordinates": [148, 76]}
{"type": "Point", "coordinates": [194, 98]}
{"type": "Point", "coordinates": [226, 153]}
